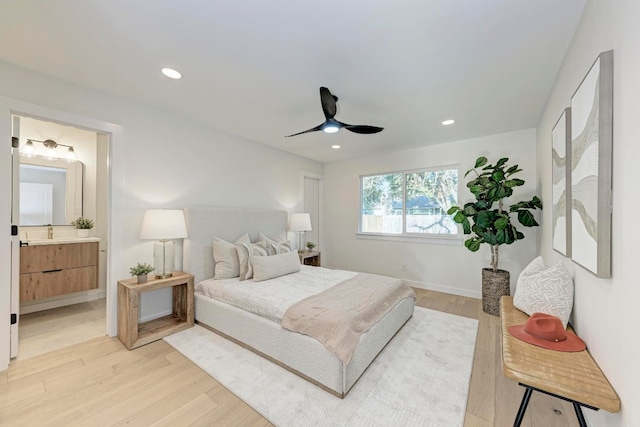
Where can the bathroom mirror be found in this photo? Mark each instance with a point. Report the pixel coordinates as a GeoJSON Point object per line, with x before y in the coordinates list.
{"type": "Point", "coordinates": [50, 191]}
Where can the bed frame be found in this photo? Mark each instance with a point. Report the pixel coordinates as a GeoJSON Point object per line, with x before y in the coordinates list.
{"type": "Point", "coordinates": [310, 359]}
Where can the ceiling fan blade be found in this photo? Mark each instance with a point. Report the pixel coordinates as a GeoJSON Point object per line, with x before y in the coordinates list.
{"type": "Point", "coordinates": [317, 128]}
{"type": "Point", "coordinates": [328, 102]}
{"type": "Point", "coordinates": [364, 129]}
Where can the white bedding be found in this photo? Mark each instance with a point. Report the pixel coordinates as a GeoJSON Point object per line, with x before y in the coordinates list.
{"type": "Point", "coordinates": [271, 298]}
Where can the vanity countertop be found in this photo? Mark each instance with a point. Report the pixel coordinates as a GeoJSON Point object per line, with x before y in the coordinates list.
{"type": "Point", "coordinates": [59, 241]}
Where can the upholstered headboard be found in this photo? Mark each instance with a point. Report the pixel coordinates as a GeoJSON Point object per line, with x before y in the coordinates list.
{"type": "Point", "coordinates": [205, 223]}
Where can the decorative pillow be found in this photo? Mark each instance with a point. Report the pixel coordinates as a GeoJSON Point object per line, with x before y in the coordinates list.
{"type": "Point", "coordinates": [246, 255]}
{"type": "Point", "coordinates": [549, 291]}
{"type": "Point", "coordinates": [277, 245]}
{"type": "Point", "coordinates": [535, 266]}
{"type": "Point", "coordinates": [225, 257]}
{"type": "Point", "coordinates": [281, 247]}
{"type": "Point", "coordinates": [269, 267]}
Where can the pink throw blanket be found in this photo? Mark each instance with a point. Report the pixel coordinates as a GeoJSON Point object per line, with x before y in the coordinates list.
{"type": "Point", "coordinates": [338, 316]}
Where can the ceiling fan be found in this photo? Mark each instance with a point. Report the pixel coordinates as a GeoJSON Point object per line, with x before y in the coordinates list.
{"type": "Point", "coordinates": [331, 125]}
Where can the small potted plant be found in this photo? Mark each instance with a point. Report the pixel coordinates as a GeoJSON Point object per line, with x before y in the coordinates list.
{"type": "Point", "coordinates": [83, 225]}
{"type": "Point", "coordinates": [141, 271]}
{"type": "Point", "coordinates": [310, 246]}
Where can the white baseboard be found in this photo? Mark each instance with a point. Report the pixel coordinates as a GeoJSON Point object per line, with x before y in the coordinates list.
{"type": "Point", "coordinates": [155, 316]}
{"type": "Point", "coordinates": [61, 302]}
{"type": "Point", "coordinates": [445, 289]}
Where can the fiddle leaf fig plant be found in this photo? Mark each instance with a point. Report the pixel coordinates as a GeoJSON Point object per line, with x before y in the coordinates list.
{"type": "Point", "coordinates": [487, 219]}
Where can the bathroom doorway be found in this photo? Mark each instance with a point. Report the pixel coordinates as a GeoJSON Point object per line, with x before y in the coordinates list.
{"type": "Point", "coordinates": [69, 168]}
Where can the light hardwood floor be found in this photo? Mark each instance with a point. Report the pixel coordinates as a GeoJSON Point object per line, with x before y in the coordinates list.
{"type": "Point", "coordinates": [100, 383]}
{"type": "Point", "coordinates": [48, 330]}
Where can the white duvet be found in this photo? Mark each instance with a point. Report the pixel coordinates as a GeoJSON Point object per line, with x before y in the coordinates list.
{"type": "Point", "coordinates": [271, 298]}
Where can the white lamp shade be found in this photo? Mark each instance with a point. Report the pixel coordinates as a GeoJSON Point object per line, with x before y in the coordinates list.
{"type": "Point", "coordinates": [163, 224]}
{"type": "Point", "coordinates": [300, 222]}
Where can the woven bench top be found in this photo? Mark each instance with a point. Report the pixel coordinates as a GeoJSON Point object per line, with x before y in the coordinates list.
{"type": "Point", "coordinates": [575, 376]}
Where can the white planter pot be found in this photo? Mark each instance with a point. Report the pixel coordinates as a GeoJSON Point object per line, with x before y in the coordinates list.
{"type": "Point", "coordinates": [83, 232]}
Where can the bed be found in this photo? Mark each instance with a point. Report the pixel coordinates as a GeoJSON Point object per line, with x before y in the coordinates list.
{"type": "Point", "coordinates": [301, 354]}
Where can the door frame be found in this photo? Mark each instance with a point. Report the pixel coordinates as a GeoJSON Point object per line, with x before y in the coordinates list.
{"type": "Point", "coordinates": [320, 178]}
{"type": "Point", "coordinates": [9, 108]}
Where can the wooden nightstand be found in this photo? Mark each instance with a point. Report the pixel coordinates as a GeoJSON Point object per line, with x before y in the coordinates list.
{"type": "Point", "coordinates": [134, 334]}
{"type": "Point", "coordinates": [310, 258]}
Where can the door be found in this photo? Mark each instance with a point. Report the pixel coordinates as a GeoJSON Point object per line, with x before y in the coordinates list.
{"type": "Point", "coordinates": [15, 237]}
{"type": "Point", "coordinates": [312, 205]}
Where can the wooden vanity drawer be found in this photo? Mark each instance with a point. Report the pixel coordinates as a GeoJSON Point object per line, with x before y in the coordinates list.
{"type": "Point", "coordinates": [40, 258]}
{"type": "Point", "coordinates": [57, 282]}
{"type": "Point", "coordinates": [57, 269]}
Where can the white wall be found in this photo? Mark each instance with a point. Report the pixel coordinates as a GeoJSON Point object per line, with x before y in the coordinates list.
{"type": "Point", "coordinates": [444, 267]}
{"type": "Point", "coordinates": [158, 161]}
{"type": "Point", "coordinates": [605, 310]}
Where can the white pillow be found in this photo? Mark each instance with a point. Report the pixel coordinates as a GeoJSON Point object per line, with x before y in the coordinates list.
{"type": "Point", "coordinates": [275, 246]}
{"type": "Point", "coordinates": [269, 267]}
{"type": "Point", "coordinates": [246, 255]}
{"type": "Point", "coordinates": [225, 257]}
{"type": "Point", "coordinates": [548, 291]}
{"type": "Point", "coordinates": [535, 266]}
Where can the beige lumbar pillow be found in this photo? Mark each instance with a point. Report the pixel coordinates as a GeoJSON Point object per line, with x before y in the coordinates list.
{"type": "Point", "coordinates": [545, 290]}
{"type": "Point", "coordinates": [270, 267]}
{"type": "Point", "coordinates": [225, 257]}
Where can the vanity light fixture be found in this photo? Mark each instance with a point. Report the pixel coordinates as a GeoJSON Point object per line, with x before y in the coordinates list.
{"type": "Point", "coordinates": [28, 149]}
{"type": "Point", "coordinates": [171, 73]}
{"type": "Point", "coordinates": [448, 122]}
{"type": "Point", "coordinates": [50, 149]}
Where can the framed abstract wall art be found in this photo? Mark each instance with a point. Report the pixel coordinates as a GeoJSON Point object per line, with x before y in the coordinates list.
{"type": "Point", "coordinates": [561, 190]}
{"type": "Point", "coordinates": [591, 168]}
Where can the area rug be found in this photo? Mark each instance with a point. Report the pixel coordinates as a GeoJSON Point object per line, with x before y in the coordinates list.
{"type": "Point", "coordinates": [420, 379]}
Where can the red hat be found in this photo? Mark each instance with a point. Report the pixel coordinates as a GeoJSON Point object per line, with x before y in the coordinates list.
{"type": "Point", "coordinates": [547, 331]}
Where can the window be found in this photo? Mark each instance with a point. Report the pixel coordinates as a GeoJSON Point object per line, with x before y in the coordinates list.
{"type": "Point", "coordinates": [409, 203]}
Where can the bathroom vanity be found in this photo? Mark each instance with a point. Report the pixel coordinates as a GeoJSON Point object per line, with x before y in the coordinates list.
{"type": "Point", "coordinates": [56, 267]}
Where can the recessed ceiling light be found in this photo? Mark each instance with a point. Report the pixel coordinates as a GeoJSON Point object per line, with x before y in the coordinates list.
{"type": "Point", "coordinates": [171, 73]}
{"type": "Point", "coordinates": [448, 122]}
{"type": "Point", "coordinates": [335, 147]}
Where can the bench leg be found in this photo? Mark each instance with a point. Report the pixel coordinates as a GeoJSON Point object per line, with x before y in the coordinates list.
{"type": "Point", "coordinates": [578, 409]}
{"type": "Point", "coordinates": [523, 406]}
{"type": "Point", "coordinates": [577, 406]}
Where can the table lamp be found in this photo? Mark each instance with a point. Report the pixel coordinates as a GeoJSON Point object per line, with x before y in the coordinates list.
{"type": "Point", "coordinates": [163, 225]}
{"type": "Point", "coordinates": [300, 222]}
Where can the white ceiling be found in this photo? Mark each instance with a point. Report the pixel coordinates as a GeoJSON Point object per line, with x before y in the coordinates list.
{"type": "Point", "coordinates": [253, 67]}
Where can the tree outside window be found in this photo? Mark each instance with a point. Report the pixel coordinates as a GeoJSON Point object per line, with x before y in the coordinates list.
{"type": "Point", "coordinates": [409, 202]}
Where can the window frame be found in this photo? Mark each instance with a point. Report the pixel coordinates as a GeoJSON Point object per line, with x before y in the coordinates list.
{"type": "Point", "coordinates": [405, 236]}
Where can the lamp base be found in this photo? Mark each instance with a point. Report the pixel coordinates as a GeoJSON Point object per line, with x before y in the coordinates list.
{"type": "Point", "coordinates": [163, 259]}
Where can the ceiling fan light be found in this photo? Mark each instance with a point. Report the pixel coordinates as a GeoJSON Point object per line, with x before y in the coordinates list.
{"type": "Point", "coordinates": [331, 128]}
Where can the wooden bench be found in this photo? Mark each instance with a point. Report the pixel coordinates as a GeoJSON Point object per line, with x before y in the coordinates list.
{"type": "Point", "coordinates": [574, 377]}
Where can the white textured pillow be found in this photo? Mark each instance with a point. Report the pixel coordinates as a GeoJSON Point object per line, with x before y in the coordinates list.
{"type": "Point", "coordinates": [269, 267]}
{"type": "Point", "coordinates": [276, 245]}
{"type": "Point", "coordinates": [535, 266]}
{"type": "Point", "coordinates": [281, 247]}
{"type": "Point", "coordinates": [225, 257]}
{"type": "Point", "coordinates": [246, 255]}
{"type": "Point", "coordinates": [549, 291]}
